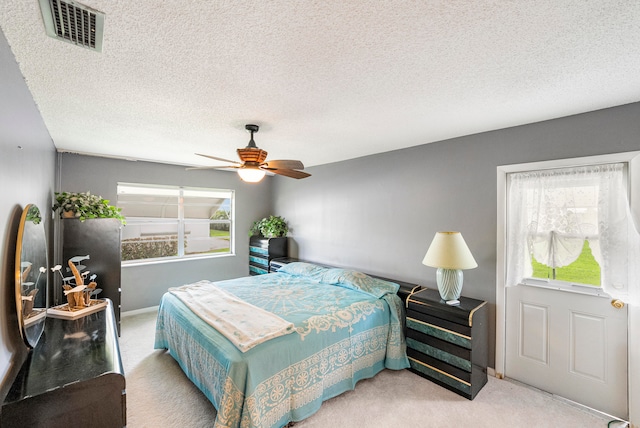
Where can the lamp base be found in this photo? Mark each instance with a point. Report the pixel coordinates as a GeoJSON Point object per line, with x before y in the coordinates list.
{"type": "Point", "coordinates": [449, 283]}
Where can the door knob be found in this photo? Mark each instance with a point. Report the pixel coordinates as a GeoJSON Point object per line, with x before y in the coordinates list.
{"type": "Point", "coordinates": [617, 303]}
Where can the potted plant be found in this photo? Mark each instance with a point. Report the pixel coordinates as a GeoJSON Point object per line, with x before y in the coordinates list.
{"type": "Point", "coordinates": [270, 227]}
{"type": "Point", "coordinates": [85, 205]}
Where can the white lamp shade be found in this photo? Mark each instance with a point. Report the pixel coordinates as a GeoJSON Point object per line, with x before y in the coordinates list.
{"type": "Point", "coordinates": [448, 250]}
{"type": "Point", "coordinates": [251, 175]}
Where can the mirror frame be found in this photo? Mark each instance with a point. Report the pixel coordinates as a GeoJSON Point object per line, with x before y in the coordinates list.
{"type": "Point", "coordinates": [29, 215]}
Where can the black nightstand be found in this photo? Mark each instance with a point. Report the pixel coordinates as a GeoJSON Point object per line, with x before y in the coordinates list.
{"type": "Point", "coordinates": [448, 344]}
{"type": "Point", "coordinates": [276, 264]}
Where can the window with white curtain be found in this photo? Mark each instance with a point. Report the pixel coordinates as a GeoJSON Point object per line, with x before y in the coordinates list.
{"type": "Point", "coordinates": [572, 226]}
{"type": "Point", "coordinates": [171, 222]}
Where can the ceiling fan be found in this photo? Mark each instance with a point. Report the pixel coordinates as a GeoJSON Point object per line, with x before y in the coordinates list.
{"type": "Point", "coordinates": [254, 165]}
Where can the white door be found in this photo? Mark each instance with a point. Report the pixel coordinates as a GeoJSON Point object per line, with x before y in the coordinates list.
{"type": "Point", "coordinates": [568, 344]}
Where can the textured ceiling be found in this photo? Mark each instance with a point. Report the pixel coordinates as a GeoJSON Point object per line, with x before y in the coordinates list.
{"type": "Point", "coordinates": [325, 80]}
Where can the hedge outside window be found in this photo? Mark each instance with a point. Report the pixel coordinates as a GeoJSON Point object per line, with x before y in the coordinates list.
{"type": "Point", "coordinates": [169, 222]}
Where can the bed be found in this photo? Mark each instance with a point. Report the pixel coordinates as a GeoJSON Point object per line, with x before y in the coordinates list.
{"type": "Point", "coordinates": [340, 326]}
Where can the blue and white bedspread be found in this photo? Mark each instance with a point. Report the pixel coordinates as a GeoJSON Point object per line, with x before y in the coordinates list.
{"type": "Point", "coordinates": [347, 328]}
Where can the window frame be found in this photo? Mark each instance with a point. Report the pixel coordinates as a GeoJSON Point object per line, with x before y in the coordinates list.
{"type": "Point", "coordinates": [552, 283]}
{"type": "Point", "coordinates": [181, 222]}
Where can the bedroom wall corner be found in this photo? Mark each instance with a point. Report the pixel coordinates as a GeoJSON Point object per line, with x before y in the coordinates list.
{"type": "Point", "coordinates": [27, 173]}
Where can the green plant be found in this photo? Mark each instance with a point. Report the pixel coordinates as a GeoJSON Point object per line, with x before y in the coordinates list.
{"type": "Point", "coordinates": [33, 215]}
{"type": "Point", "coordinates": [84, 206]}
{"type": "Point", "coordinates": [270, 227]}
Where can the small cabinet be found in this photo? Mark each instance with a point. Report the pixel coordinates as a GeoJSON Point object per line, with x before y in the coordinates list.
{"type": "Point", "coordinates": [263, 250]}
{"type": "Point", "coordinates": [448, 344]}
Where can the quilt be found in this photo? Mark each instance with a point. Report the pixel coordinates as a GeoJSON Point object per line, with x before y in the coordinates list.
{"type": "Point", "coordinates": [346, 327]}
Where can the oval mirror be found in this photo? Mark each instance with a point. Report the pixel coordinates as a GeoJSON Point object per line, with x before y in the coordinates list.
{"type": "Point", "coordinates": [31, 275]}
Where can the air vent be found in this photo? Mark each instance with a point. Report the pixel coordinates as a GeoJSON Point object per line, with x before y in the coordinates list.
{"type": "Point", "coordinates": [73, 22]}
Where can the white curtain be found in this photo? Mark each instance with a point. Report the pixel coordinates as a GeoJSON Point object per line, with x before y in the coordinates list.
{"type": "Point", "coordinates": [552, 212]}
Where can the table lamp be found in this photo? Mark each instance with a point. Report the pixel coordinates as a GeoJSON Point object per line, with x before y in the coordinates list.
{"type": "Point", "coordinates": [449, 253]}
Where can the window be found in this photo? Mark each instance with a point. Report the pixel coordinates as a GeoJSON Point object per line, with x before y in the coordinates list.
{"type": "Point", "coordinates": [561, 210]}
{"type": "Point", "coordinates": [570, 226]}
{"type": "Point", "coordinates": [169, 222]}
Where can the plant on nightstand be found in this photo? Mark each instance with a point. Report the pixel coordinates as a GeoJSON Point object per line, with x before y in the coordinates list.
{"type": "Point", "coordinates": [270, 227]}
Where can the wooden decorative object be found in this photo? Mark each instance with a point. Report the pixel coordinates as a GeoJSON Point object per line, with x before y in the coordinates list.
{"type": "Point", "coordinates": [78, 297]}
{"type": "Point", "coordinates": [79, 301]}
{"type": "Point", "coordinates": [65, 312]}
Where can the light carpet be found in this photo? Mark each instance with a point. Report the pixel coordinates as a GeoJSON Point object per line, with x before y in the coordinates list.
{"type": "Point", "coordinates": [160, 395]}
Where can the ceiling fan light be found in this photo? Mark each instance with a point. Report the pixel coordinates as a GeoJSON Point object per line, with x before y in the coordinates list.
{"type": "Point", "coordinates": [251, 175]}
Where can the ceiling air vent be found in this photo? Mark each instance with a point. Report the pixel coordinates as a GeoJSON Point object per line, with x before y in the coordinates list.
{"type": "Point", "coordinates": [73, 22]}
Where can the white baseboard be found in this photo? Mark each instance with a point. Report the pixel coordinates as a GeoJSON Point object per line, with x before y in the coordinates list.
{"type": "Point", "coordinates": [139, 311]}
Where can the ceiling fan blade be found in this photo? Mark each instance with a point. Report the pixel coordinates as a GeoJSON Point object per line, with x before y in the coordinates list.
{"type": "Point", "coordinates": [286, 164]}
{"type": "Point", "coordinates": [292, 173]}
{"type": "Point", "coordinates": [193, 168]}
{"type": "Point", "coordinates": [217, 158]}
{"type": "Point", "coordinates": [213, 167]}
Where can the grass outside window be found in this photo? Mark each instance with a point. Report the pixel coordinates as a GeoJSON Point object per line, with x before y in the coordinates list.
{"type": "Point", "coordinates": [585, 270]}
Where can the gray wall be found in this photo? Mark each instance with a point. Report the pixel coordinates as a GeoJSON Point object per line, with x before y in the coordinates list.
{"type": "Point", "coordinates": [379, 213]}
{"type": "Point", "coordinates": [143, 286]}
{"type": "Point", "coordinates": [27, 165]}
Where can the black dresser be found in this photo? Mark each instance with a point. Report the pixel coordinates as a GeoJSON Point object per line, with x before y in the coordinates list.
{"type": "Point", "coordinates": [448, 344]}
{"type": "Point", "coordinates": [263, 250]}
{"type": "Point", "coordinates": [72, 378]}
